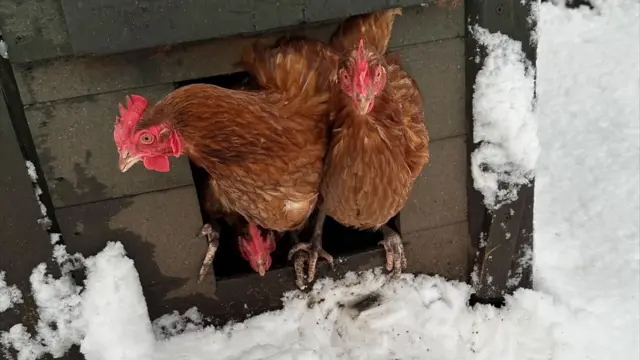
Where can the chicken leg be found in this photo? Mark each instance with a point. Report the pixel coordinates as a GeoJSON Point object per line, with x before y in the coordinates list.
{"type": "Point", "coordinates": [213, 239]}
{"type": "Point", "coordinates": [392, 242]}
{"type": "Point", "coordinates": [309, 252]}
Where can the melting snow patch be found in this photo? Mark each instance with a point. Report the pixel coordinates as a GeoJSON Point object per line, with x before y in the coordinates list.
{"type": "Point", "coordinates": [55, 238]}
{"type": "Point", "coordinates": [3, 49]}
{"type": "Point", "coordinates": [173, 324]}
{"type": "Point", "coordinates": [504, 120]}
{"type": "Point", "coordinates": [44, 221]}
{"type": "Point", "coordinates": [9, 295]}
{"type": "Point", "coordinates": [58, 327]}
{"type": "Point", "coordinates": [66, 261]}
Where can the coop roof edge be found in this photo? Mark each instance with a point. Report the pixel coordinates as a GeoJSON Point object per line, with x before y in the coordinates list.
{"type": "Point", "coordinates": [116, 26]}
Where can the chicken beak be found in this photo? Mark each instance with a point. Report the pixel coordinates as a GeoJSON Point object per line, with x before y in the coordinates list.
{"type": "Point", "coordinates": [126, 161]}
{"type": "Point", "coordinates": [261, 270]}
{"type": "Point", "coordinates": [363, 104]}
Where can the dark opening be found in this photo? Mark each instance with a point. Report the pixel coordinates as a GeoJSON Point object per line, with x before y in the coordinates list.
{"type": "Point", "coordinates": [338, 240]}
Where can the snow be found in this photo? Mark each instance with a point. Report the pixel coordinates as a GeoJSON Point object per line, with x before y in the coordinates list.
{"type": "Point", "coordinates": [66, 261]}
{"type": "Point", "coordinates": [505, 124]}
{"type": "Point", "coordinates": [9, 295]}
{"type": "Point", "coordinates": [170, 325]}
{"type": "Point", "coordinates": [587, 237]}
{"type": "Point", "coordinates": [55, 238]}
{"type": "Point", "coordinates": [44, 221]}
{"type": "Point", "coordinates": [587, 185]}
{"type": "Point", "coordinates": [3, 49]}
{"type": "Point", "coordinates": [115, 320]}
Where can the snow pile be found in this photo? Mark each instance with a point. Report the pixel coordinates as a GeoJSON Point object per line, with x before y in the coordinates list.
{"type": "Point", "coordinates": [369, 316]}
{"type": "Point", "coordinates": [587, 192]}
{"type": "Point", "coordinates": [505, 124]}
{"type": "Point", "coordinates": [58, 327]}
{"type": "Point", "coordinates": [9, 295]}
{"type": "Point", "coordinates": [108, 319]}
{"type": "Point", "coordinates": [364, 315]}
{"type": "Point", "coordinates": [115, 319]}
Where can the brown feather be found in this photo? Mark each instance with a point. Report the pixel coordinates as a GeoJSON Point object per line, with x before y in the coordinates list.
{"type": "Point", "coordinates": [374, 28]}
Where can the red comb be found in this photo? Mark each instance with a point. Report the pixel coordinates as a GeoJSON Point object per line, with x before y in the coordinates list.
{"type": "Point", "coordinates": [361, 69]}
{"type": "Point", "coordinates": [136, 105]}
{"type": "Point", "coordinates": [129, 117]}
{"type": "Point", "coordinates": [361, 62]}
{"type": "Point", "coordinates": [254, 231]}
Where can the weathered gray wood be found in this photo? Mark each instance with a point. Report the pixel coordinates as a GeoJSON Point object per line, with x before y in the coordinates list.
{"type": "Point", "coordinates": [79, 76]}
{"type": "Point", "coordinates": [439, 251]}
{"type": "Point", "coordinates": [157, 230]}
{"type": "Point", "coordinates": [24, 244]}
{"type": "Point", "coordinates": [113, 26]}
{"type": "Point", "coordinates": [439, 195]}
{"type": "Point", "coordinates": [501, 240]}
{"type": "Point", "coordinates": [438, 68]}
{"type": "Point", "coordinates": [74, 139]}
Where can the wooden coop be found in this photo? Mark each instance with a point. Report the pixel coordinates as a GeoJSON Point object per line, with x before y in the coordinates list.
{"type": "Point", "coordinates": [71, 62]}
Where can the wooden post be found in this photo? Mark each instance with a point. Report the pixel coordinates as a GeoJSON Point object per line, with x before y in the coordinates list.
{"type": "Point", "coordinates": [501, 241]}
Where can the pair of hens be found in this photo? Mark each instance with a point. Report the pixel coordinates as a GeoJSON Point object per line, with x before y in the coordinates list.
{"type": "Point", "coordinates": [336, 126]}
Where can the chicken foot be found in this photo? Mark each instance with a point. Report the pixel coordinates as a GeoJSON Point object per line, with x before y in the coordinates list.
{"type": "Point", "coordinates": [213, 240]}
{"type": "Point", "coordinates": [309, 252]}
{"type": "Point", "coordinates": [392, 242]}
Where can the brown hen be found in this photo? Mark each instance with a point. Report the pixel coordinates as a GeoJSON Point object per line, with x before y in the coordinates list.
{"type": "Point", "coordinates": [379, 142]}
{"type": "Point", "coordinates": [264, 150]}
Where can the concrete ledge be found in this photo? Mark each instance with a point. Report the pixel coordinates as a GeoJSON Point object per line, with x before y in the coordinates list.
{"type": "Point", "coordinates": [439, 195]}
{"type": "Point", "coordinates": [157, 230]}
{"type": "Point", "coordinates": [79, 76]}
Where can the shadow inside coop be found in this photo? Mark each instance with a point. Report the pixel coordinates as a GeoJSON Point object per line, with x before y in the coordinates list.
{"type": "Point", "coordinates": [338, 240]}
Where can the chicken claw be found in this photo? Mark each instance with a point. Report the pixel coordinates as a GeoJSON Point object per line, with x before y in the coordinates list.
{"type": "Point", "coordinates": [307, 252]}
{"type": "Point", "coordinates": [298, 266]}
{"type": "Point", "coordinates": [213, 239]}
{"type": "Point", "coordinates": [310, 252]}
{"type": "Point", "coordinates": [396, 259]}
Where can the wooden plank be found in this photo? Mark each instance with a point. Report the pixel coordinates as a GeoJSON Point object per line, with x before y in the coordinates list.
{"type": "Point", "coordinates": [79, 76]}
{"type": "Point", "coordinates": [441, 251]}
{"type": "Point", "coordinates": [25, 243]}
{"type": "Point", "coordinates": [114, 26]}
{"type": "Point", "coordinates": [74, 139]}
{"type": "Point", "coordinates": [501, 241]}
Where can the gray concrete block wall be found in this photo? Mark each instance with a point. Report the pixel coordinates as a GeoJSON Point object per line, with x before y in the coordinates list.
{"type": "Point", "coordinates": [71, 104]}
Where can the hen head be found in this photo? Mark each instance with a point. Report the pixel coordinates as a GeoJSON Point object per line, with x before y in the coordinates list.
{"type": "Point", "coordinates": [152, 144]}
{"type": "Point", "coordinates": [257, 249]}
{"type": "Point", "coordinates": [362, 77]}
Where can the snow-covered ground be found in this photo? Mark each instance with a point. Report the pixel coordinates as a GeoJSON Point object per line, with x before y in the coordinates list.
{"type": "Point", "coordinates": [587, 245]}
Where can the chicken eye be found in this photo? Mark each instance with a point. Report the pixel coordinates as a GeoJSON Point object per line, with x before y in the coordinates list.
{"type": "Point", "coordinates": [344, 75]}
{"type": "Point", "coordinates": [146, 139]}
